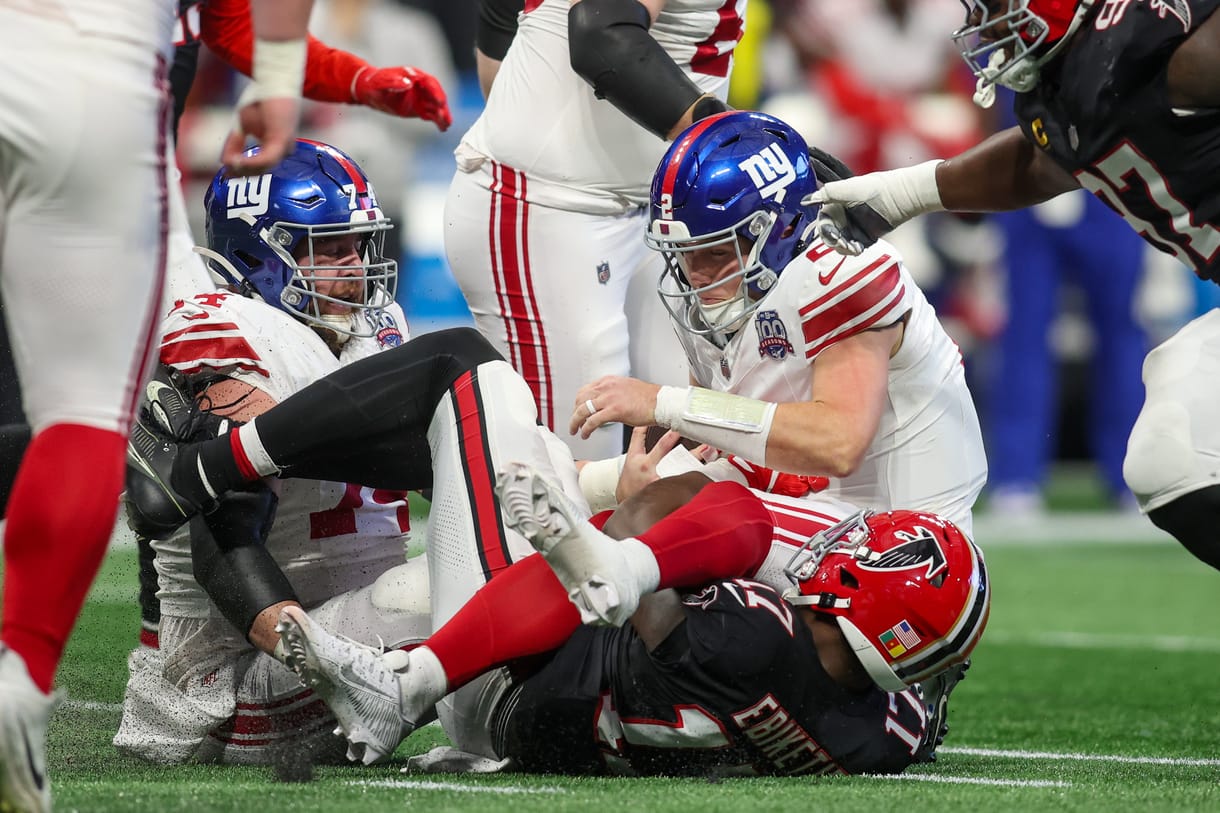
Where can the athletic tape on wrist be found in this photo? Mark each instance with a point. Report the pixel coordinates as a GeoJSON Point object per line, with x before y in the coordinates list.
{"type": "Point", "coordinates": [730, 423]}
{"type": "Point", "coordinates": [279, 68]}
{"type": "Point", "coordinates": [599, 482]}
{"type": "Point", "coordinates": [920, 187]}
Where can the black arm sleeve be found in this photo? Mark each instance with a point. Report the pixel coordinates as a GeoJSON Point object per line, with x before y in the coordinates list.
{"type": "Point", "coordinates": [497, 26]}
{"type": "Point", "coordinates": [230, 557]}
{"type": "Point", "coordinates": [612, 49]}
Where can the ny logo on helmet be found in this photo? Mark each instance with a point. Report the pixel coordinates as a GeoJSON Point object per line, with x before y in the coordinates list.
{"type": "Point", "coordinates": [771, 171]}
{"type": "Point", "coordinates": [249, 196]}
{"type": "Point", "coordinates": [919, 548]}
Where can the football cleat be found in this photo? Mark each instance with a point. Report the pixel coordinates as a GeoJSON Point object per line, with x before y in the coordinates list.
{"type": "Point", "coordinates": [168, 419]}
{"type": "Point", "coordinates": [24, 715]}
{"type": "Point", "coordinates": [154, 509]}
{"type": "Point", "coordinates": [589, 564]}
{"type": "Point", "coordinates": [935, 693]}
{"type": "Point", "coordinates": [368, 696]}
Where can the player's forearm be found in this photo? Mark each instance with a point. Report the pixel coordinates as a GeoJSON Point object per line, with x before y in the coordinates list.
{"type": "Point", "coordinates": [1003, 173]}
{"type": "Point", "coordinates": [281, 20]}
{"type": "Point", "coordinates": [612, 49]}
{"type": "Point", "coordinates": [814, 438]}
{"type": "Point", "coordinates": [807, 438]}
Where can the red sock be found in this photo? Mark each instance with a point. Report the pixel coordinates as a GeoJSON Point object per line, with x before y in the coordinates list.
{"type": "Point", "coordinates": [724, 532]}
{"type": "Point", "coordinates": [60, 515]}
{"type": "Point", "coordinates": [522, 611]}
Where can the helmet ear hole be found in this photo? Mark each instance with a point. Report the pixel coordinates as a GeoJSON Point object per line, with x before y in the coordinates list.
{"type": "Point", "coordinates": [248, 259]}
{"type": "Point", "coordinates": [938, 579]}
{"type": "Point", "coordinates": [848, 579]}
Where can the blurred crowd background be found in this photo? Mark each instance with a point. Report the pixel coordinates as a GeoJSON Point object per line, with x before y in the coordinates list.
{"type": "Point", "coordinates": [1054, 307]}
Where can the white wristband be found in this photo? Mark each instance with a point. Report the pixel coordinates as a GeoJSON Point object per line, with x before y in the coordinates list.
{"type": "Point", "coordinates": [730, 423]}
{"type": "Point", "coordinates": [916, 191]}
{"type": "Point", "coordinates": [279, 68]}
{"type": "Point", "coordinates": [599, 482]}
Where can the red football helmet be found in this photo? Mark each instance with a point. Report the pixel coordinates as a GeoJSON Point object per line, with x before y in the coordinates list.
{"type": "Point", "coordinates": [1007, 42]}
{"type": "Point", "coordinates": [908, 589]}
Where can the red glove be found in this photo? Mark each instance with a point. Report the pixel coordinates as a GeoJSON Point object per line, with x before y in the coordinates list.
{"type": "Point", "coordinates": [404, 92]}
{"type": "Point", "coordinates": [762, 478]}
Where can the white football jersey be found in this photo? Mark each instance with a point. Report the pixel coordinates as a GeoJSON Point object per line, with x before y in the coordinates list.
{"type": "Point", "coordinates": [928, 451]}
{"type": "Point", "coordinates": [139, 21]}
{"type": "Point", "coordinates": [328, 537]}
{"type": "Point", "coordinates": [579, 152]}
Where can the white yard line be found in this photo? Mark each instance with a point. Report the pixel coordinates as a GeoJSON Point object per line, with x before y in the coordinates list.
{"type": "Point", "coordinates": [90, 705]}
{"type": "Point", "coordinates": [1069, 527]}
{"type": "Point", "coordinates": [977, 780]}
{"type": "Point", "coordinates": [1069, 756]}
{"type": "Point", "coordinates": [1090, 640]}
{"type": "Point", "coordinates": [456, 786]}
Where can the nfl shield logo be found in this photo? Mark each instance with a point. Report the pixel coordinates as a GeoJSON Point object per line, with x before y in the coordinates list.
{"type": "Point", "coordinates": [772, 335]}
{"type": "Point", "coordinates": [603, 272]}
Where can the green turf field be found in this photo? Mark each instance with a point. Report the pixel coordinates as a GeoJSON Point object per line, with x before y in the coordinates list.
{"type": "Point", "coordinates": [1093, 688]}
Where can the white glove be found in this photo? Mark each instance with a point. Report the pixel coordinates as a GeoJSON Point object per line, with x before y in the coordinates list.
{"type": "Point", "coordinates": [856, 211]}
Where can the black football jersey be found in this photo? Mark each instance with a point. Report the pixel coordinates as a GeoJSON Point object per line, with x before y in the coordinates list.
{"type": "Point", "coordinates": [1101, 110]}
{"type": "Point", "coordinates": [737, 689]}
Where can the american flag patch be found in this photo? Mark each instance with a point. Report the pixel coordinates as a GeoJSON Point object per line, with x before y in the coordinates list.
{"type": "Point", "coordinates": [910, 639]}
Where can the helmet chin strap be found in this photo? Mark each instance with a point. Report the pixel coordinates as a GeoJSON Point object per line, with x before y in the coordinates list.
{"type": "Point", "coordinates": [342, 322]}
{"type": "Point", "coordinates": [1021, 76]}
{"type": "Point", "coordinates": [723, 315]}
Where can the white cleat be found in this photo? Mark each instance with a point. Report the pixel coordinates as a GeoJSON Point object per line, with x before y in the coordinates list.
{"type": "Point", "coordinates": [589, 564]}
{"type": "Point", "coordinates": [357, 682]}
{"type": "Point", "coordinates": [24, 714]}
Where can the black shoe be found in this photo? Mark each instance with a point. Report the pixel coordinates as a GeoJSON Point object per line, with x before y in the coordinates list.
{"type": "Point", "coordinates": [154, 509]}
{"type": "Point", "coordinates": [935, 692]}
{"type": "Point", "coordinates": [168, 419]}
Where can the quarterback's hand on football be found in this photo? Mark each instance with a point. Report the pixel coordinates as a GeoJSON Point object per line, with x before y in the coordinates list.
{"type": "Point", "coordinates": [640, 466]}
{"type": "Point", "coordinates": [613, 399]}
{"type": "Point", "coordinates": [402, 91]}
{"type": "Point", "coordinates": [856, 211]}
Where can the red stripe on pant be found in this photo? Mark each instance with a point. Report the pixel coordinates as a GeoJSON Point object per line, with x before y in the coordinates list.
{"type": "Point", "coordinates": [478, 470]}
{"type": "Point", "coordinates": [508, 239]}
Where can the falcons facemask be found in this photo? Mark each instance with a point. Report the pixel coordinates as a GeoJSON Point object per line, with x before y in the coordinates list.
{"type": "Point", "coordinates": [1006, 42]}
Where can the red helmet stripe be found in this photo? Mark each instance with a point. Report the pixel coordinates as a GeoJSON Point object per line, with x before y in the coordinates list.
{"type": "Point", "coordinates": [682, 147]}
{"type": "Point", "coordinates": [353, 172]}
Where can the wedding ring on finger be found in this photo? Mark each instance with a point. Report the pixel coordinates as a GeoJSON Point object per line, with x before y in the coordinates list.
{"type": "Point", "coordinates": [589, 406]}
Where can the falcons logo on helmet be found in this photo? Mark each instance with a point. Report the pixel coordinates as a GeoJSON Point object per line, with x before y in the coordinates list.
{"type": "Point", "coordinates": [919, 548]}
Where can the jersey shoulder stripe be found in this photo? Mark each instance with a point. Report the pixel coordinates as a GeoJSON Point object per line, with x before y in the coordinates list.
{"type": "Point", "coordinates": [858, 303]}
{"type": "Point", "coordinates": [199, 335]}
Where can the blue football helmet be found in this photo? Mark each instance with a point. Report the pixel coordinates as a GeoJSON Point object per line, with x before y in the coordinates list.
{"type": "Point", "coordinates": [261, 233]}
{"type": "Point", "coordinates": [734, 175]}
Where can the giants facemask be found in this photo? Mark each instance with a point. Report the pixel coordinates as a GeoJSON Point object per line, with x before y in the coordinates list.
{"type": "Point", "coordinates": [258, 226]}
{"type": "Point", "coordinates": [733, 182]}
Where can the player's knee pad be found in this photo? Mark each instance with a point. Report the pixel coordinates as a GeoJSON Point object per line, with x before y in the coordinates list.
{"type": "Point", "coordinates": [1194, 520]}
{"type": "Point", "coordinates": [403, 588]}
{"type": "Point", "coordinates": [1160, 453]}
